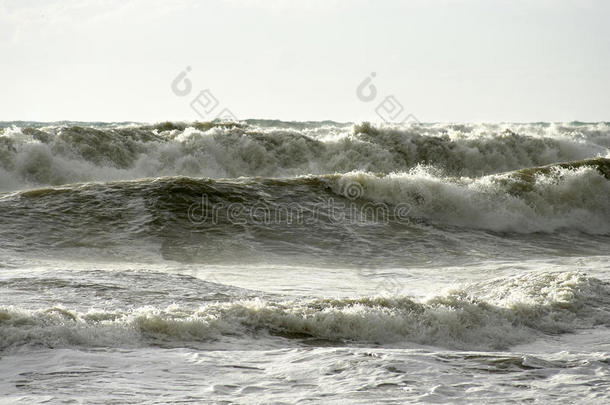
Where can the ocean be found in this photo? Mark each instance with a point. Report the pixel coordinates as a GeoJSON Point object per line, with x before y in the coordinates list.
{"type": "Point", "coordinates": [271, 262]}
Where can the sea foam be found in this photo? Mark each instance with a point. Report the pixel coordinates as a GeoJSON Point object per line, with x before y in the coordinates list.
{"type": "Point", "coordinates": [490, 315]}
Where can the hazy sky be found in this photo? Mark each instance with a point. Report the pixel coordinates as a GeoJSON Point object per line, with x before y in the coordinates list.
{"type": "Point", "coordinates": [460, 60]}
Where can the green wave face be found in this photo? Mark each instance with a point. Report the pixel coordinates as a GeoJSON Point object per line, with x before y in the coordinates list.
{"type": "Point", "coordinates": [353, 218]}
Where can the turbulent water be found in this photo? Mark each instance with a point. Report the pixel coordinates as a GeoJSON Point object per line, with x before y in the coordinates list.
{"type": "Point", "coordinates": [304, 262]}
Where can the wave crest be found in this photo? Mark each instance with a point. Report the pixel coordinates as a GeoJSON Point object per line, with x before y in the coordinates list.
{"type": "Point", "coordinates": [563, 196]}
{"type": "Point", "coordinates": [518, 310]}
{"type": "Point", "coordinates": [54, 155]}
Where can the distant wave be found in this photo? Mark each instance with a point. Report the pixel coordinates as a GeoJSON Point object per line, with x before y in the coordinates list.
{"type": "Point", "coordinates": [490, 315]}
{"type": "Point", "coordinates": [34, 155]}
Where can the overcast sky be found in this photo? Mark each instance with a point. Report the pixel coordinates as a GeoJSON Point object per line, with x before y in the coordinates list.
{"type": "Point", "coordinates": [460, 60]}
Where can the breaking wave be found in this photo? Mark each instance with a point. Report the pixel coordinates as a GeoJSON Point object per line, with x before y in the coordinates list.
{"type": "Point", "coordinates": [490, 315]}
{"type": "Point", "coordinates": [34, 155]}
{"type": "Point", "coordinates": [570, 196]}
{"type": "Point", "coordinates": [562, 196]}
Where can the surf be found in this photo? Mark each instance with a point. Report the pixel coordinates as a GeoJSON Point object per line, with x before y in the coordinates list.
{"type": "Point", "coordinates": [496, 314]}
{"type": "Point", "coordinates": [35, 155]}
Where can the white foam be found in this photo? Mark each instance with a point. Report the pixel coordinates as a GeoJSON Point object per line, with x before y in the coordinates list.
{"type": "Point", "coordinates": [496, 314]}
{"type": "Point", "coordinates": [62, 155]}
{"type": "Point", "coordinates": [564, 199]}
